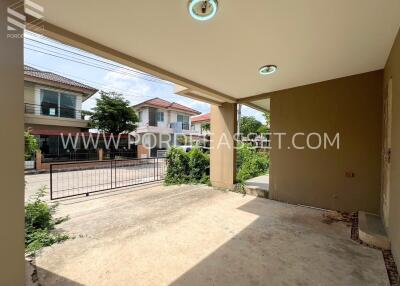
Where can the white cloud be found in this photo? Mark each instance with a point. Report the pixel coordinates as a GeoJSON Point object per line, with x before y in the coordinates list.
{"type": "Point", "coordinates": [134, 89]}
{"type": "Point", "coordinates": [137, 90]}
{"type": "Point", "coordinates": [194, 104]}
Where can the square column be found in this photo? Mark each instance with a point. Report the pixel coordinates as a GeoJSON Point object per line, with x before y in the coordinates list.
{"type": "Point", "coordinates": [12, 245]}
{"type": "Point", "coordinates": [223, 154]}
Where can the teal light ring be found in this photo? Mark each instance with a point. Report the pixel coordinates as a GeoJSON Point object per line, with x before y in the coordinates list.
{"type": "Point", "coordinates": [267, 70]}
{"type": "Point", "coordinates": [193, 3]}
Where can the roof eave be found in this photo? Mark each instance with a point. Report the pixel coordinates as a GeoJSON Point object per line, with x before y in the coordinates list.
{"type": "Point", "coordinates": [87, 92]}
{"type": "Point", "coordinates": [140, 105]}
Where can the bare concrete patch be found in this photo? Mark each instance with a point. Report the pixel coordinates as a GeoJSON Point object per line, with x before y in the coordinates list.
{"type": "Point", "coordinates": [194, 235]}
{"type": "Point", "coordinates": [372, 231]}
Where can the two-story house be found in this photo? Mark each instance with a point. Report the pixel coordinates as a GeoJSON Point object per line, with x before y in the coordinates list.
{"type": "Point", "coordinates": [161, 120]}
{"type": "Point", "coordinates": [53, 105]}
{"type": "Point", "coordinates": [201, 124]}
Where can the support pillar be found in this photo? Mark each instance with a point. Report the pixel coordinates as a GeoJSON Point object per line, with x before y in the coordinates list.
{"type": "Point", "coordinates": [38, 160]}
{"type": "Point", "coordinates": [223, 154]}
{"type": "Point", "coordinates": [12, 263]}
{"type": "Point", "coordinates": [100, 152]}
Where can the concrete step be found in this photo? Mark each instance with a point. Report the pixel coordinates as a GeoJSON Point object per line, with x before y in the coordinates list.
{"type": "Point", "coordinates": [258, 186]}
{"type": "Point", "coordinates": [372, 231]}
{"type": "Point", "coordinates": [256, 192]}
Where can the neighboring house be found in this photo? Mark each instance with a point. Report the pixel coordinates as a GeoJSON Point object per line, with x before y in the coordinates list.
{"type": "Point", "coordinates": [53, 105]}
{"type": "Point", "coordinates": [201, 125]}
{"type": "Point", "coordinates": [162, 121]}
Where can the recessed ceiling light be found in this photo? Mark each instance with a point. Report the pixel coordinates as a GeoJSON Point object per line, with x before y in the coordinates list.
{"type": "Point", "coordinates": [268, 69]}
{"type": "Point", "coordinates": [203, 10]}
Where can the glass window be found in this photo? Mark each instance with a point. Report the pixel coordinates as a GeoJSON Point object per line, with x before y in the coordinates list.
{"type": "Point", "coordinates": [58, 104]}
{"type": "Point", "coordinates": [160, 116]}
{"type": "Point", "coordinates": [140, 116]}
{"type": "Point", "coordinates": [183, 118]}
{"type": "Point", "coordinates": [49, 144]}
{"type": "Point", "coordinates": [185, 121]}
{"type": "Point", "coordinates": [67, 105]}
{"type": "Point", "coordinates": [49, 102]}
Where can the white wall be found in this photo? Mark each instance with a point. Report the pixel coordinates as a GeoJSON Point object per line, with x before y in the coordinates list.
{"type": "Point", "coordinates": [29, 93]}
{"type": "Point", "coordinates": [170, 116]}
{"type": "Point", "coordinates": [165, 123]}
{"type": "Point", "coordinates": [145, 117]}
{"type": "Point", "coordinates": [197, 128]}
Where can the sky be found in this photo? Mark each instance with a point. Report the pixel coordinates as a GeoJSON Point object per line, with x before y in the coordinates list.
{"type": "Point", "coordinates": [48, 55]}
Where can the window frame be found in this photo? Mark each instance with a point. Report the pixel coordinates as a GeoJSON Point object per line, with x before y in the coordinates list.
{"type": "Point", "coordinates": [158, 115]}
{"type": "Point", "coordinates": [59, 108]}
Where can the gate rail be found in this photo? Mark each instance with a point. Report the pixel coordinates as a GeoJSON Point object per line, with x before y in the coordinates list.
{"type": "Point", "coordinates": [71, 179]}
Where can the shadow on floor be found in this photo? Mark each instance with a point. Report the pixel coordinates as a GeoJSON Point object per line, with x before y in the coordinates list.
{"type": "Point", "coordinates": [32, 279]}
{"type": "Point", "coordinates": [107, 193]}
{"type": "Point", "coordinates": [288, 245]}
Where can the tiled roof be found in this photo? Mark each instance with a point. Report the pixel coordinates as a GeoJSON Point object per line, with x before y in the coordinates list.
{"type": "Point", "coordinates": [52, 77]}
{"type": "Point", "coordinates": [203, 117]}
{"type": "Point", "coordinates": [158, 102]}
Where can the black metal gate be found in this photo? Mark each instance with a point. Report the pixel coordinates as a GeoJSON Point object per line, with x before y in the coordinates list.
{"type": "Point", "coordinates": [83, 178]}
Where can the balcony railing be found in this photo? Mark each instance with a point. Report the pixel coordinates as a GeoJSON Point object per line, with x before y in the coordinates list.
{"type": "Point", "coordinates": [180, 126]}
{"type": "Point", "coordinates": [53, 110]}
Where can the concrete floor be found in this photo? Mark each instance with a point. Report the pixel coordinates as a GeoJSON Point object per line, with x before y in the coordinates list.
{"type": "Point", "coordinates": [194, 235]}
{"type": "Point", "coordinates": [261, 182]}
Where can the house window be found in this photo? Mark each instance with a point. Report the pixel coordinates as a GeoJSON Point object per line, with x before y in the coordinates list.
{"type": "Point", "coordinates": [160, 116]}
{"type": "Point", "coordinates": [185, 121]}
{"type": "Point", "coordinates": [140, 116]}
{"type": "Point", "coordinates": [49, 102]}
{"type": "Point", "coordinates": [67, 105]}
{"type": "Point", "coordinates": [57, 104]}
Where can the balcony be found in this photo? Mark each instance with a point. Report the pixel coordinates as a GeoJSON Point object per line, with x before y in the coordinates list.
{"type": "Point", "coordinates": [53, 111]}
{"type": "Point", "coordinates": [175, 127]}
{"type": "Point", "coordinates": [179, 127]}
{"type": "Point", "coordinates": [51, 114]}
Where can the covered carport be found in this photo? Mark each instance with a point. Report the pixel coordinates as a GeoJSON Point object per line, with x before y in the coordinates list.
{"type": "Point", "coordinates": [332, 77]}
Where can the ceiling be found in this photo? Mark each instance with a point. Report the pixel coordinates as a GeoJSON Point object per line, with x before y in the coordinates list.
{"type": "Point", "coordinates": [309, 40]}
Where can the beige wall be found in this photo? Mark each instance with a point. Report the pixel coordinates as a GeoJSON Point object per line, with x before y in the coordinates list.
{"type": "Point", "coordinates": [351, 106]}
{"type": "Point", "coordinates": [51, 127]}
{"type": "Point", "coordinates": [142, 151]}
{"type": "Point", "coordinates": [392, 70]}
{"type": "Point", "coordinates": [222, 153]}
{"type": "Point", "coordinates": [11, 173]}
{"type": "Point", "coordinates": [59, 122]}
{"type": "Point", "coordinates": [29, 92]}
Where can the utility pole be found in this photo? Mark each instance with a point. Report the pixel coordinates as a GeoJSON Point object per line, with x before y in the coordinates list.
{"type": "Point", "coordinates": [239, 115]}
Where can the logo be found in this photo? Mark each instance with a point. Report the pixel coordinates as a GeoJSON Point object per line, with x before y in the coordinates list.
{"type": "Point", "coordinates": [17, 20]}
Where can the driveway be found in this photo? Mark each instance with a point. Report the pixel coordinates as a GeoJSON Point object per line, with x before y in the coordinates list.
{"type": "Point", "coordinates": [194, 235]}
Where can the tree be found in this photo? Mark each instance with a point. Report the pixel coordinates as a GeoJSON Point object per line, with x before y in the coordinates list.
{"type": "Point", "coordinates": [267, 116]}
{"type": "Point", "coordinates": [112, 114]}
{"type": "Point", "coordinates": [249, 124]}
{"type": "Point", "coordinates": [206, 127]}
{"type": "Point", "coordinates": [85, 113]}
{"type": "Point", "coordinates": [31, 145]}
{"type": "Point", "coordinates": [265, 128]}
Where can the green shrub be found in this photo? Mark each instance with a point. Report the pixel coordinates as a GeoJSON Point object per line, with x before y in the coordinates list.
{"type": "Point", "coordinates": [184, 168]}
{"type": "Point", "coordinates": [199, 166]}
{"type": "Point", "coordinates": [31, 145]}
{"type": "Point", "coordinates": [178, 167]}
{"type": "Point", "coordinates": [194, 167]}
{"type": "Point", "coordinates": [250, 163]}
{"type": "Point", "coordinates": [40, 224]}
